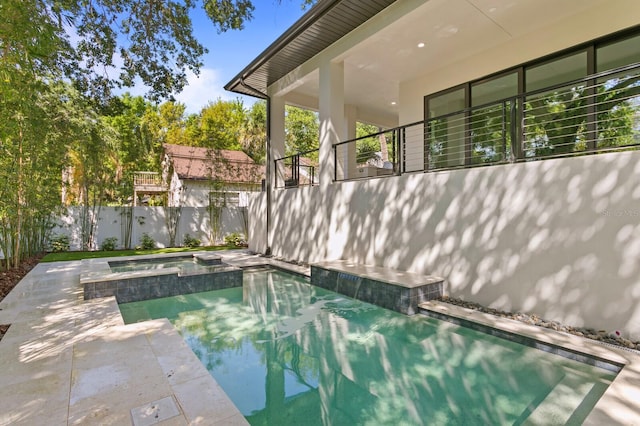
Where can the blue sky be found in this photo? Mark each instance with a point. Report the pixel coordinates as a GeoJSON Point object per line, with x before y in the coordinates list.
{"type": "Point", "coordinates": [230, 52]}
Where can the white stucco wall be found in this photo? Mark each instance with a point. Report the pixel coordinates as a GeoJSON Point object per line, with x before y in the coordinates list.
{"type": "Point", "coordinates": [257, 210]}
{"type": "Point", "coordinates": [194, 221]}
{"type": "Point", "coordinates": [560, 238]}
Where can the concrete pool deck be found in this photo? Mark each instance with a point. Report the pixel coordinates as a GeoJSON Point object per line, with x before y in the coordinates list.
{"type": "Point", "coordinates": [66, 361]}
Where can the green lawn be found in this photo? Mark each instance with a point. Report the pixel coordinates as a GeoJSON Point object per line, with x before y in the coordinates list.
{"type": "Point", "coordinates": [79, 255]}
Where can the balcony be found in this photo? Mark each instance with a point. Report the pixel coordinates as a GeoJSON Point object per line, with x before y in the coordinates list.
{"type": "Point", "coordinates": [296, 170]}
{"type": "Point", "coordinates": [148, 182]}
{"type": "Point", "coordinates": [595, 114]}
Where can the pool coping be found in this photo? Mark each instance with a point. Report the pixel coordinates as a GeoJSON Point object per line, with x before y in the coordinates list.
{"type": "Point", "coordinates": [620, 404]}
{"type": "Point", "coordinates": [402, 279]}
{"type": "Point", "coordinates": [99, 280]}
{"type": "Point", "coordinates": [399, 291]}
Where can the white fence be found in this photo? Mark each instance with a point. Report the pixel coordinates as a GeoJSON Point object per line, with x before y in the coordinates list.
{"type": "Point", "coordinates": [111, 222]}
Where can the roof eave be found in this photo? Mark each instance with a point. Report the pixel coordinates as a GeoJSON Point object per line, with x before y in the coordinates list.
{"type": "Point", "coordinates": [316, 12]}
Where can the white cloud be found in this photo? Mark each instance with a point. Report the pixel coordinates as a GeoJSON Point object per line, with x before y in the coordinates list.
{"type": "Point", "coordinates": [202, 89]}
{"type": "Point", "coordinates": [197, 93]}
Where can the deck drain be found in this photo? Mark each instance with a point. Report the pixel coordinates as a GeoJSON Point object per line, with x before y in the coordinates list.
{"type": "Point", "coordinates": [154, 412]}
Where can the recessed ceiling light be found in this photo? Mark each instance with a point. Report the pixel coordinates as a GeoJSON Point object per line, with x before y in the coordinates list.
{"type": "Point", "coordinates": [421, 45]}
{"type": "Point", "coordinates": [393, 102]}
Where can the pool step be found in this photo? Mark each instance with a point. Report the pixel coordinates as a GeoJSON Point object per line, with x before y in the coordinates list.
{"type": "Point", "coordinates": [571, 391]}
{"type": "Point", "coordinates": [396, 290]}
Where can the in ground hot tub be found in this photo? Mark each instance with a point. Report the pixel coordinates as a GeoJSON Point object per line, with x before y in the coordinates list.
{"type": "Point", "coordinates": [137, 278]}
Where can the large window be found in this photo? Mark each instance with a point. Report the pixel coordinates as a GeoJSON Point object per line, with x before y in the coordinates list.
{"type": "Point", "coordinates": [447, 132]}
{"type": "Point", "coordinates": [577, 102]}
{"type": "Point", "coordinates": [492, 116]}
{"type": "Point", "coordinates": [471, 124]}
{"type": "Point", "coordinates": [617, 102]}
{"type": "Point", "coordinates": [555, 120]}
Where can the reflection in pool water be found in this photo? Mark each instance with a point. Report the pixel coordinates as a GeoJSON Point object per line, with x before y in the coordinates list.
{"type": "Point", "coordinates": [289, 353]}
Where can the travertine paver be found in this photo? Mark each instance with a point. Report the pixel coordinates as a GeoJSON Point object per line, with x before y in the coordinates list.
{"type": "Point", "coordinates": [155, 412]}
{"type": "Point", "coordinates": [68, 361]}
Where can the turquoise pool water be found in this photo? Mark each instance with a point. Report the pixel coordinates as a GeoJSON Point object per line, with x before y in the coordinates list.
{"type": "Point", "coordinates": [288, 353]}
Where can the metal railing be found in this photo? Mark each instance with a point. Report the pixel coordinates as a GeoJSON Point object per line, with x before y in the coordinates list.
{"type": "Point", "coordinates": [296, 170]}
{"type": "Point", "coordinates": [369, 156]}
{"type": "Point", "coordinates": [141, 179]}
{"type": "Point", "coordinates": [598, 113]}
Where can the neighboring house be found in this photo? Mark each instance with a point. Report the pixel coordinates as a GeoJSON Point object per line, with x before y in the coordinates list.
{"type": "Point", "coordinates": [529, 89]}
{"type": "Point", "coordinates": [201, 175]}
{"type": "Point", "coordinates": [196, 177]}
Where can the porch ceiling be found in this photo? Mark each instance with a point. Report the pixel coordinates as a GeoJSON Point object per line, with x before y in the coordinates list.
{"type": "Point", "coordinates": [451, 31]}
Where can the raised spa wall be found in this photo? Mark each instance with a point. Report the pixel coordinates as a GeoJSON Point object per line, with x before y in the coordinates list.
{"type": "Point", "coordinates": [396, 290]}
{"type": "Point", "coordinates": [135, 286]}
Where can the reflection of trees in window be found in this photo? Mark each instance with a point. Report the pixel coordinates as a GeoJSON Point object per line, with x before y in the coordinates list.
{"type": "Point", "coordinates": [618, 111]}
{"type": "Point", "coordinates": [446, 140]}
{"type": "Point", "coordinates": [557, 122]}
{"type": "Point", "coordinates": [490, 133]}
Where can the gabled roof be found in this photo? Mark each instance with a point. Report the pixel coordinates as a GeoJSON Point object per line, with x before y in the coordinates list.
{"type": "Point", "coordinates": [227, 166]}
{"type": "Point", "coordinates": [324, 24]}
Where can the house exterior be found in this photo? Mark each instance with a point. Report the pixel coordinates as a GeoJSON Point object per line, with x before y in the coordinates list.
{"type": "Point", "coordinates": [512, 131]}
{"type": "Point", "coordinates": [199, 176]}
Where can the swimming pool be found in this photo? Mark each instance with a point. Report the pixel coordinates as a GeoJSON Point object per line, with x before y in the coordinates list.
{"type": "Point", "coordinates": [289, 353]}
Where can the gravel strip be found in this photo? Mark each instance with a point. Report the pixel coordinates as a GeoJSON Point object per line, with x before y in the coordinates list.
{"type": "Point", "coordinates": [613, 338]}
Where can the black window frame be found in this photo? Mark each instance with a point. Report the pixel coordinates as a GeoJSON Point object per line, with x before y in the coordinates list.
{"type": "Point", "coordinates": [590, 47]}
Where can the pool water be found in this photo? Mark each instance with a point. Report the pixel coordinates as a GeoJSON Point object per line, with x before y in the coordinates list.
{"type": "Point", "coordinates": [288, 353]}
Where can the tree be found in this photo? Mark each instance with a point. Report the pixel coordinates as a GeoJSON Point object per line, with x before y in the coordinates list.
{"type": "Point", "coordinates": [153, 40]}
{"type": "Point", "coordinates": [218, 126]}
{"type": "Point", "coordinates": [29, 128]}
{"type": "Point", "coordinates": [46, 126]}
{"type": "Point", "coordinates": [253, 137]}
{"type": "Point", "coordinates": [302, 129]}
{"type": "Point", "coordinates": [104, 44]}
{"type": "Point", "coordinates": [368, 147]}
{"type": "Point", "coordinates": [172, 123]}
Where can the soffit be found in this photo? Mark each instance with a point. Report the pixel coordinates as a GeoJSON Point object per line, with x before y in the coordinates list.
{"type": "Point", "coordinates": [324, 24]}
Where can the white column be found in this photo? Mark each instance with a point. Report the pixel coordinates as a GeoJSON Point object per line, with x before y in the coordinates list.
{"type": "Point", "coordinates": [276, 147]}
{"type": "Point", "coordinates": [332, 128]}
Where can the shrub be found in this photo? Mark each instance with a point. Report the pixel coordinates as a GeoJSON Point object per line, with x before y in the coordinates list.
{"type": "Point", "coordinates": [59, 243]}
{"type": "Point", "coordinates": [189, 241]}
{"type": "Point", "coordinates": [235, 240]}
{"type": "Point", "coordinates": [147, 242]}
{"type": "Point", "coordinates": [109, 244]}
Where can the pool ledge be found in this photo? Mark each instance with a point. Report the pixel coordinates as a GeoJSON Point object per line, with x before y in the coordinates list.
{"type": "Point", "coordinates": [399, 291]}
{"type": "Point", "coordinates": [98, 280]}
{"type": "Point", "coordinates": [621, 402]}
